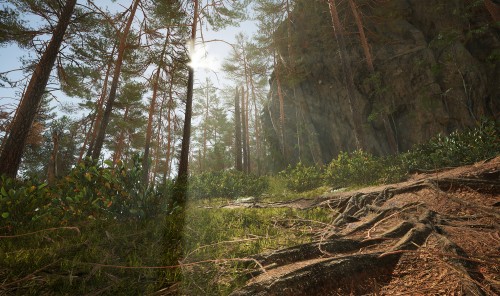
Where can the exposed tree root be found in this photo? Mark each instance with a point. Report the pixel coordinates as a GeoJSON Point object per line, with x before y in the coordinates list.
{"type": "Point", "coordinates": [372, 233]}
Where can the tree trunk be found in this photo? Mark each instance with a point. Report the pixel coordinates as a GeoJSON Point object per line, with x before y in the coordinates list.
{"type": "Point", "coordinates": [149, 129]}
{"type": "Point", "coordinates": [121, 139]}
{"type": "Point", "coordinates": [237, 132]}
{"type": "Point", "coordinates": [14, 145]}
{"type": "Point", "coordinates": [256, 124]}
{"type": "Point", "coordinates": [493, 9]}
{"type": "Point", "coordinates": [362, 36]}
{"type": "Point", "coordinates": [204, 157]}
{"type": "Point", "coordinates": [98, 117]}
{"type": "Point", "coordinates": [282, 111]}
{"type": "Point", "coordinates": [244, 131]}
{"type": "Point", "coordinates": [114, 85]}
{"type": "Point", "coordinates": [182, 177]}
{"type": "Point", "coordinates": [52, 167]}
{"type": "Point", "coordinates": [339, 35]}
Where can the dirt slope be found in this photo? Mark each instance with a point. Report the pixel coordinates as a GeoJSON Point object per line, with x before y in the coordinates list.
{"type": "Point", "coordinates": [436, 234]}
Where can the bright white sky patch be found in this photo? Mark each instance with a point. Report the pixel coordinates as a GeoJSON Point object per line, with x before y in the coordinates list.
{"type": "Point", "coordinates": [199, 58]}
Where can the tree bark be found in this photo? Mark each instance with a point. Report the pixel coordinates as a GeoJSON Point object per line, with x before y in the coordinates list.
{"type": "Point", "coordinates": [244, 131]}
{"type": "Point", "coordinates": [98, 117]}
{"type": "Point", "coordinates": [149, 129]}
{"type": "Point", "coordinates": [12, 152]}
{"type": "Point", "coordinates": [182, 177]}
{"type": "Point", "coordinates": [114, 85]}
{"type": "Point", "coordinates": [339, 35]}
{"type": "Point", "coordinates": [362, 36]}
{"type": "Point", "coordinates": [237, 133]}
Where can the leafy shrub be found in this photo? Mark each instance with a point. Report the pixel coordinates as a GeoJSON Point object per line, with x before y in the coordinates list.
{"type": "Point", "coordinates": [226, 184]}
{"type": "Point", "coordinates": [459, 148]}
{"type": "Point", "coordinates": [302, 178]}
{"type": "Point", "coordinates": [355, 169]}
{"type": "Point", "coordinates": [22, 202]}
{"type": "Point", "coordinates": [115, 192]}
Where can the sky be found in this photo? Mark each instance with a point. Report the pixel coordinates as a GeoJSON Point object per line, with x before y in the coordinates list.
{"type": "Point", "coordinates": [207, 59]}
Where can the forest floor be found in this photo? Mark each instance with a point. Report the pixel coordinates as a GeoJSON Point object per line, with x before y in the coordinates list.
{"type": "Point", "coordinates": [438, 233]}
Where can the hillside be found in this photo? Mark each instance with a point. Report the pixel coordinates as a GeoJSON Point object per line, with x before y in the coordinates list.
{"type": "Point", "coordinates": [436, 234]}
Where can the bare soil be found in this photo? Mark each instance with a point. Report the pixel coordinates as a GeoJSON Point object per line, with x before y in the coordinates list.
{"type": "Point", "coordinates": [436, 234]}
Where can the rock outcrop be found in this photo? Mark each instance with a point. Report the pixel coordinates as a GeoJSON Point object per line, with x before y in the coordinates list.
{"type": "Point", "coordinates": [437, 67]}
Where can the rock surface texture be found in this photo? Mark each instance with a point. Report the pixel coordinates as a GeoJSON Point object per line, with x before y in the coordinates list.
{"type": "Point", "coordinates": [436, 70]}
{"type": "Point", "coordinates": [436, 234]}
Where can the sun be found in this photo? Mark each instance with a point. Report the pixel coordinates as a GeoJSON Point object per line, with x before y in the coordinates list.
{"type": "Point", "coordinates": [199, 57]}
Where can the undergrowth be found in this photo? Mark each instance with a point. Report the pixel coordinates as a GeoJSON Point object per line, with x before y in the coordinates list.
{"type": "Point", "coordinates": [100, 230]}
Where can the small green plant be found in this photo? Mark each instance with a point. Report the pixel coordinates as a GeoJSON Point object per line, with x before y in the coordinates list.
{"type": "Point", "coordinates": [301, 178]}
{"type": "Point", "coordinates": [229, 184]}
{"type": "Point", "coordinates": [459, 148]}
{"type": "Point", "coordinates": [354, 169]}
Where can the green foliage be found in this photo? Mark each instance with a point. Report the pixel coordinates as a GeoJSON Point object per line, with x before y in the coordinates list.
{"type": "Point", "coordinates": [301, 178]}
{"type": "Point", "coordinates": [229, 184]}
{"type": "Point", "coordinates": [459, 148]}
{"type": "Point", "coordinates": [354, 169]}
{"type": "Point", "coordinates": [21, 202]}
{"type": "Point", "coordinates": [89, 191]}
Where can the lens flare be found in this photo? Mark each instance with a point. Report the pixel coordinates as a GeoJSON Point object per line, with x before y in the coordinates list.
{"type": "Point", "coordinates": [199, 58]}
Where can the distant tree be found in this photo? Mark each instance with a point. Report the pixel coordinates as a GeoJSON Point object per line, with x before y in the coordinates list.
{"type": "Point", "coordinates": [237, 132]}
{"type": "Point", "coordinates": [12, 151]}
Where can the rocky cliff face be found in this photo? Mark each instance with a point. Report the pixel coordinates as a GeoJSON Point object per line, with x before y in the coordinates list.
{"type": "Point", "coordinates": [437, 69]}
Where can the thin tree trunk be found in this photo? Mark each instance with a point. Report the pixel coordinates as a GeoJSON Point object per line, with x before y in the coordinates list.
{"type": "Point", "coordinates": [205, 130]}
{"type": "Point", "coordinates": [98, 117]}
{"type": "Point", "coordinates": [149, 129]}
{"type": "Point", "coordinates": [182, 176]}
{"type": "Point", "coordinates": [237, 132]}
{"type": "Point", "coordinates": [362, 36]}
{"type": "Point", "coordinates": [52, 167]}
{"type": "Point", "coordinates": [159, 138]}
{"type": "Point", "coordinates": [121, 139]}
{"type": "Point", "coordinates": [12, 152]}
{"type": "Point", "coordinates": [246, 108]}
{"type": "Point", "coordinates": [282, 110]}
{"type": "Point", "coordinates": [87, 136]}
{"type": "Point", "coordinates": [339, 35]}
{"type": "Point", "coordinates": [256, 124]}
{"type": "Point", "coordinates": [243, 130]}
{"type": "Point", "coordinates": [114, 85]}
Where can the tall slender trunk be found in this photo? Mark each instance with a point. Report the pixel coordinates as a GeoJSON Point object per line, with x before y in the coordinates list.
{"type": "Point", "coordinates": [159, 137]}
{"type": "Point", "coordinates": [12, 152]}
{"type": "Point", "coordinates": [100, 103]}
{"type": "Point", "coordinates": [52, 167]}
{"type": "Point", "coordinates": [246, 107]}
{"type": "Point", "coordinates": [282, 109]}
{"type": "Point", "coordinates": [149, 129]}
{"type": "Point", "coordinates": [87, 136]}
{"type": "Point", "coordinates": [121, 139]}
{"type": "Point", "coordinates": [182, 176]}
{"type": "Point", "coordinates": [362, 36]}
{"type": "Point", "coordinates": [205, 136]}
{"type": "Point", "coordinates": [256, 123]}
{"type": "Point", "coordinates": [237, 133]}
{"type": "Point", "coordinates": [114, 85]}
{"type": "Point", "coordinates": [346, 68]}
{"type": "Point", "coordinates": [244, 131]}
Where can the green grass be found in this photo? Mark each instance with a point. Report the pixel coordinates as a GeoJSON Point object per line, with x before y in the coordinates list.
{"type": "Point", "coordinates": [97, 256]}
